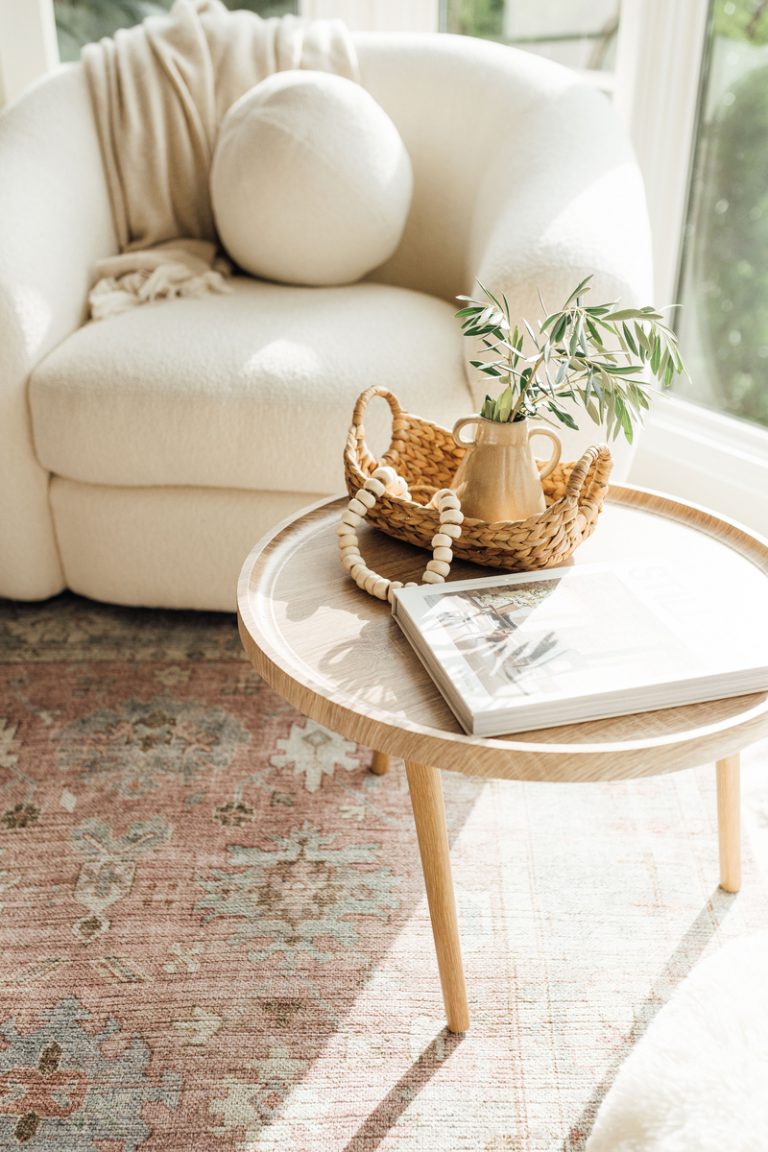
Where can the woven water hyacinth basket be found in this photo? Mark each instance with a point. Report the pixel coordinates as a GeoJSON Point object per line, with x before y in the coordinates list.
{"type": "Point", "coordinates": [427, 456]}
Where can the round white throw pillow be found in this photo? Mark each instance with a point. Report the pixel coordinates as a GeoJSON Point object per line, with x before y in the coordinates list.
{"type": "Point", "coordinates": [310, 181]}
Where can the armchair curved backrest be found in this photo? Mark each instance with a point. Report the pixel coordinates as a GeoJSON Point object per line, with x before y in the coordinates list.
{"type": "Point", "coordinates": [523, 174]}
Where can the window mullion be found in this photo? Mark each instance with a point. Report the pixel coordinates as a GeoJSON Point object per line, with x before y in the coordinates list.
{"type": "Point", "coordinates": [28, 45]}
{"type": "Point", "coordinates": [658, 70]}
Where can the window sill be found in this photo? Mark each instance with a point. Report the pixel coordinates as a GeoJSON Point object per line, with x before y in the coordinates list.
{"type": "Point", "coordinates": [707, 458]}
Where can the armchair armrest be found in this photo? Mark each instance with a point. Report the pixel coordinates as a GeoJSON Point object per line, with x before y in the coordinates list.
{"type": "Point", "coordinates": [562, 199]}
{"type": "Point", "coordinates": [55, 221]}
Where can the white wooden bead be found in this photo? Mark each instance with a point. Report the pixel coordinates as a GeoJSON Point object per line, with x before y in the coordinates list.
{"type": "Point", "coordinates": [386, 479]}
{"type": "Point", "coordinates": [439, 566]}
{"type": "Point", "coordinates": [380, 588]}
{"type": "Point", "coordinates": [393, 587]}
{"type": "Point", "coordinates": [395, 485]}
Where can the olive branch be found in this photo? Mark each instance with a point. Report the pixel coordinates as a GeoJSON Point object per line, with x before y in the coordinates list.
{"type": "Point", "coordinates": [599, 356]}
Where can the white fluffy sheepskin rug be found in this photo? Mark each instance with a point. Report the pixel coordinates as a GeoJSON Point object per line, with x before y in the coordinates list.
{"type": "Point", "coordinates": [697, 1081]}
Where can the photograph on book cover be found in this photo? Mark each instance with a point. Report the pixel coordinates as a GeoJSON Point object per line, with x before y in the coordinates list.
{"type": "Point", "coordinates": [556, 635]}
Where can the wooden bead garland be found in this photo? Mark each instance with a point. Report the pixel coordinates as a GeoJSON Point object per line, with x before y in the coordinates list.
{"type": "Point", "coordinates": [385, 479]}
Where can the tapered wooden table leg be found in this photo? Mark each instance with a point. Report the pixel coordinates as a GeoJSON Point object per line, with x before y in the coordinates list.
{"type": "Point", "coordinates": [426, 788]}
{"type": "Point", "coordinates": [380, 763]}
{"type": "Point", "coordinates": [729, 823]}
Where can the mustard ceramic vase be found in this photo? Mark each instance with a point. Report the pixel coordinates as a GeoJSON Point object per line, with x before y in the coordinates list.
{"type": "Point", "coordinates": [498, 478]}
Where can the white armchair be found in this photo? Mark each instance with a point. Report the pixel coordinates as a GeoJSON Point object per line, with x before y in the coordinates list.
{"type": "Point", "coordinates": [141, 456]}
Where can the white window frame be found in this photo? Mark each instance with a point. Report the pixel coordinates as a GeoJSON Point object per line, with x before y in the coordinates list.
{"type": "Point", "coordinates": [659, 58]}
{"type": "Point", "coordinates": [703, 456]}
{"type": "Point", "coordinates": [707, 458]}
{"type": "Point", "coordinates": [28, 44]}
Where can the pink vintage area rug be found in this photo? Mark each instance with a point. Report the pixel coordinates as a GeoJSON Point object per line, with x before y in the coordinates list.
{"type": "Point", "coordinates": [214, 936]}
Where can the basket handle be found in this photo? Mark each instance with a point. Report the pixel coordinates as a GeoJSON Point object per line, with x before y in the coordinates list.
{"type": "Point", "coordinates": [599, 456]}
{"type": "Point", "coordinates": [362, 403]}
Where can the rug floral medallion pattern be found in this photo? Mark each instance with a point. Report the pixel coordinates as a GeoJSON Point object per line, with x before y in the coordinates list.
{"type": "Point", "coordinates": [213, 932]}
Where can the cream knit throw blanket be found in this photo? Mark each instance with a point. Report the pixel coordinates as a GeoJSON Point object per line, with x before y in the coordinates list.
{"type": "Point", "coordinates": [159, 92]}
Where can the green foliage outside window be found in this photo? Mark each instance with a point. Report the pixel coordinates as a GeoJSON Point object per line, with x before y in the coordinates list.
{"type": "Point", "coordinates": [484, 18]}
{"type": "Point", "coordinates": [546, 27]}
{"type": "Point", "coordinates": [729, 238]}
{"type": "Point", "coordinates": [742, 20]}
{"type": "Point", "coordinates": [80, 21]}
{"type": "Point", "coordinates": [734, 258]}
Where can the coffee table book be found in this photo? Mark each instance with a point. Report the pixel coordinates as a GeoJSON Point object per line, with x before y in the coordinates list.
{"type": "Point", "coordinates": [539, 649]}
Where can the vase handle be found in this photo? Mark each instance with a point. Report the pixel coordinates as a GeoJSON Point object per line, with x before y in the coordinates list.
{"type": "Point", "coordinates": [554, 460]}
{"type": "Point", "coordinates": [463, 423]}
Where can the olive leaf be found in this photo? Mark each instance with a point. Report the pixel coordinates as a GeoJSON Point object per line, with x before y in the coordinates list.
{"type": "Point", "coordinates": [601, 356]}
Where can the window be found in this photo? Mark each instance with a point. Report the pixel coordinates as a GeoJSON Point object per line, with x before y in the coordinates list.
{"type": "Point", "coordinates": [723, 323]}
{"type": "Point", "coordinates": [80, 21]}
{"type": "Point", "coordinates": [578, 33]}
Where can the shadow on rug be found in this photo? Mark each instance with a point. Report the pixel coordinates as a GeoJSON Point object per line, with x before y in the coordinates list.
{"type": "Point", "coordinates": [214, 935]}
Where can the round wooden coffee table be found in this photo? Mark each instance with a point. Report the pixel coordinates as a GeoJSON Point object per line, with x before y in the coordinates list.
{"type": "Point", "coordinates": [339, 657]}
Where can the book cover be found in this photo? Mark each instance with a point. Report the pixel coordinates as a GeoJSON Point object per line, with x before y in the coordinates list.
{"type": "Point", "coordinates": [538, 649]}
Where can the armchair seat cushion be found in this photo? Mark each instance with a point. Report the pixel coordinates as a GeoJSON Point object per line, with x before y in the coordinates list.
{"type": "Point", "coordinates": [252, 390]}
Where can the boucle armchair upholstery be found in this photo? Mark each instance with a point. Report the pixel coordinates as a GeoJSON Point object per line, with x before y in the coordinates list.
{"type": "Point", "coordinates": [55, 220]}
{"type": "Point", "coordinates": [141, 456]}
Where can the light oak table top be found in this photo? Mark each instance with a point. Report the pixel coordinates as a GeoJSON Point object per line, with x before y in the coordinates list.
{"type": "Point", "coordinates": [338, 656]}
